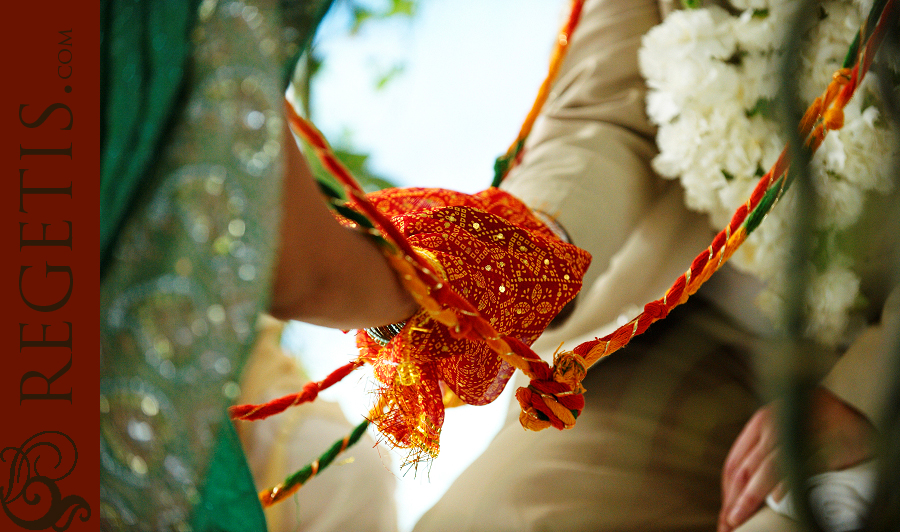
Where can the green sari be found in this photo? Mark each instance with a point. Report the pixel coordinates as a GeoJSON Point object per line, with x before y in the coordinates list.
{"type": "Point", "coordinates": [190, 190]}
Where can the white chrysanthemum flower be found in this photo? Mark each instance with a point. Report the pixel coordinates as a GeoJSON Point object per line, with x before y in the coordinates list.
{"type": "Point", "coordinates": [661, 106]}
{"type": "Point", "coordinates": [700, 186]}
{"type": "Point", "coordinates": [863, 135]}
{"type": "Point", "coordinates": [678, 143]}
{"type": "Point", "coordinates": [744, 149]}
{"type": "Point", "coordinates": [830, 297]}
{"type": "Point", "coordinates": [732, 197]}
{"type": "Point", "coordinates": [840, 202]}
{"type": "Point", "coordinates": [713, 83]}
{"type": "Point", "coordinates": [751, 4]}
{"type": "Point", "coordinates": [718, 84]}
{"type": "Point", "coordinates": [828, 42]}
{"type": "Point", "coordinates": [831, 154]}
{"type": "Point", "coordinates": [758, 30]}
{"type": "Point", "coordinates": [758, 77]}
{"type": "Point", "coordinates": [684, 34]}
{"type": "Point", "coordinates": [767, 248]}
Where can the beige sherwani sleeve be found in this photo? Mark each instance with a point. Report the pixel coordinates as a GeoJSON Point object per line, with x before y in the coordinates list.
{"type": "Point", "coordinates": [646, 452]}
{"type": "Point", "coordinates": [587, 164]}
{"type": "Point", "coordinates": [863, 376]}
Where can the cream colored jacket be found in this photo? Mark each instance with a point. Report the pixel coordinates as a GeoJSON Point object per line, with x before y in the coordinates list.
{"type": "Point", "coordinates": [587, 163]}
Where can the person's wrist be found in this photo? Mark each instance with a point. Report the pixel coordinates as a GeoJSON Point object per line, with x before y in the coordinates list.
{"type": "Point", "coordinates": [843, 436]}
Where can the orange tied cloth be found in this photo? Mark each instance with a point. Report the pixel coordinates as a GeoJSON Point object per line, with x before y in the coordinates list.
{"type": "Point", "coordinates": [491, 250]}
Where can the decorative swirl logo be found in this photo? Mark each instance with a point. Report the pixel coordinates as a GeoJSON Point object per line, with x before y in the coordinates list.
{"type": "Point", "coordinates": [32, 482]}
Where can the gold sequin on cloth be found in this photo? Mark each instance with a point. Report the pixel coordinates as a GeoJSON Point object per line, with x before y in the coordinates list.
{"type": "Point", "coordinates": [497, 255]}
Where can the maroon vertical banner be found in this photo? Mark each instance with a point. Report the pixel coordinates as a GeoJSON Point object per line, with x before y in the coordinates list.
{"type": "Point", "coordinates": [49, 272]}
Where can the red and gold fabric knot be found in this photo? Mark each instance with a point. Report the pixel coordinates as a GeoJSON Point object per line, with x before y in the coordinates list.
{"type": "Point", "coordinates": [555, 396]}
{"type": "Point", "coordinates": [503, 276]}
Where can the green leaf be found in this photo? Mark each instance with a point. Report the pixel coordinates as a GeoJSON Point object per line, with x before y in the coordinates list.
{"type": "Point", "coordinates": [360, 16]}
{"type": "Point", "coordinates": [402, 7]}
{"type": "Point", "coordinates": [355, 162]}
{"type": "Point", "coordinates": [764, 107]}
{"type": "Point", "coordinates": [737, 58]}
{"type": "Point", "coordinates": [388, 76]}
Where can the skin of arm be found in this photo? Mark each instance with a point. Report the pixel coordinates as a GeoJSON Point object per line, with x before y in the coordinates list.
{"type": "Point", "coordinates": [328, 274]}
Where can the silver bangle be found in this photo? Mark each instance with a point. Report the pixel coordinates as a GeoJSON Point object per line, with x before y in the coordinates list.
{"type": "Point", "coordinates": [383, 334]}
{"type": "Point", "coordinates": [553, 225]}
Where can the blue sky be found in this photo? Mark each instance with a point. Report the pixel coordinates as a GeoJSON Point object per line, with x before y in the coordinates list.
{"type": "Point", "coordinates": [472, 70]}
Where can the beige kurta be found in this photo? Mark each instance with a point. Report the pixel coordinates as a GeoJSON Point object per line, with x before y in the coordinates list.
{"type": "Point", "coordinates": [282, 444]}
{"type": "Point", "coordinates": [661, 415]}
{"type": "Point", "coordinates": [647, 450]}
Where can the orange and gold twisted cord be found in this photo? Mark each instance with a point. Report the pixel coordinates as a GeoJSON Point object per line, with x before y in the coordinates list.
{"type": "Point", "coordinates": [507, 161]}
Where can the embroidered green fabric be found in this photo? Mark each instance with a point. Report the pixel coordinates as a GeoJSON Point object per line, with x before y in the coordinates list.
{"type": "Point", "coordinates": [190, 179]}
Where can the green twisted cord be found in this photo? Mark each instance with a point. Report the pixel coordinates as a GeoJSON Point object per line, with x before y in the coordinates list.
{"type": "Point", "coordinates": [296, 480]}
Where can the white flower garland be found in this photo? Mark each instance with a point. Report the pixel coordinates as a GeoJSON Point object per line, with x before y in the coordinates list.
{"type": "Point", "coordinates": [712, 77]}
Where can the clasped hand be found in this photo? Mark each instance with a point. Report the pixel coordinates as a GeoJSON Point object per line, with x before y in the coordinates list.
{"type": "Point", "coordinates": [841, 437]}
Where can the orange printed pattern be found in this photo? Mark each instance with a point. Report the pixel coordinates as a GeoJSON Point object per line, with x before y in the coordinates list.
{"type": "Point", "coordinates": [494, 253]}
